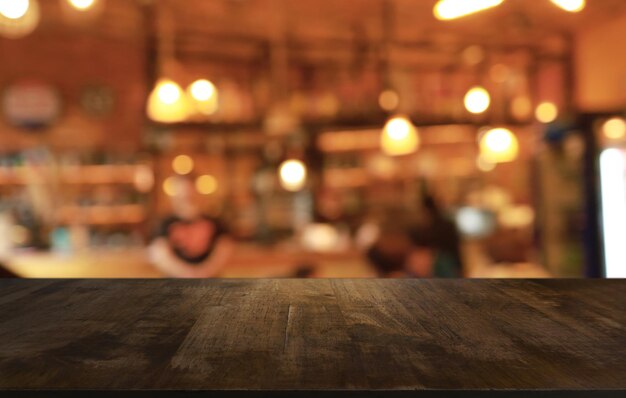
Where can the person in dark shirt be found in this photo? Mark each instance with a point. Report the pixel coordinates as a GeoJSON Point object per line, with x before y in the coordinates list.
{"type": "Point", "coordinates": [389, 253]}
{"type": "Point", "coordinates": [440, 237]}
{"type": "Point", "coordinates": [189, 244]}
{"type": "Point", "coordinates": [425, 250]}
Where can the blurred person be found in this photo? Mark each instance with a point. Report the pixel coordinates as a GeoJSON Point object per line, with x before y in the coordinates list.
{"type": "Point", "coordinates": [440, 236]}
{"type": "Point", "coordinates": [429, 249]}
{"type": "Point", "coordinates": [190, 244]}
{"type": "Point", "coordinates": [390, 252]}
{"type": "Point", "coordinates": [509, 246]}
{"type": "Point", "coordinates": [387, 244]}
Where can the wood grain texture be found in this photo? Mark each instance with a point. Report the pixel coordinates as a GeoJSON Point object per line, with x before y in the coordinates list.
{"type": "Point", "coordinates": [287, 334]}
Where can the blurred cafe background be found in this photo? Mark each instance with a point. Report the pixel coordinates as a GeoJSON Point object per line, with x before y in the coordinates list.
{"type": "Point", "coordinates": [326, 138]}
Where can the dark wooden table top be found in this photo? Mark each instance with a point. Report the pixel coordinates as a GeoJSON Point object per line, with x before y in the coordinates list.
{"type": "Point", "coordinates": [421, 336]}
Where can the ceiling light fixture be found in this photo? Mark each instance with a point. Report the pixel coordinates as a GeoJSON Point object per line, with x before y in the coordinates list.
{"type": "Point", "coordinates": [292, 175]}
{"type": "Point", "coordinates": [570, 5]}
{"type": "Point", "coordinates": [14, 9]}
{"type": "Point", "coordinates": [82, 5]}
{"type": "Point", "coordinates": [166, 103]}
{"type": "Point", "coordinates": [446, 10]}
{"type": "Point", "coordinates": [452, 9]}
{"type": "Point", "coordinates": [498, 145]}
{"type": "Point", "coordinates": [477, 100]}
{"type": "Point", "coordinates": [399, 137]}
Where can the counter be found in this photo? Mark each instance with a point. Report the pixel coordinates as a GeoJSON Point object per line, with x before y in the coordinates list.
{"type": "Point", "coordinates": [248, 261]}
{"type": "Point", "coordinates": [367, 337]}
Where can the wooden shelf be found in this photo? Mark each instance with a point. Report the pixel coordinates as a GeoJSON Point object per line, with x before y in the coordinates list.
{"type": "Point", "coordinates": [91, 174]}
{"type": "Point", "coordinates": [100, 174]}
{"type": "Point", "coordinates": [102, 215]}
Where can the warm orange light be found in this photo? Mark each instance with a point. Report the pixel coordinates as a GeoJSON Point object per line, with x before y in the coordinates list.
{"type": "Point", "coordinates": [292, 175]}
{"type": "Point", "coordinates": [167, 103]}
{"type": "Point", "coordinates": [182, 164]}
{"type": "Point", "coordinates": [516, 216]}
{"type": "Point", "coordinates": [498, 145]}
{"type": "Point", "coordinates": [477, 100]}
{"type": "Point", "coordinates": [206, 184]}
{"type": "Point", "coordinates": [452, 9]}
{"type": "Point", "coordinates": [399, 137]}
{"type": "Point", "coordinates": [473, 55]}
{"type": "Point", "coordinates": [14, 9]}
{"type": "Point", "coordinates": [204, 94]}
{"type": "Point", "coordinates": [202, 90]}
{"type": "Point", "coordinates": [614, 128]}
{"type": "Point", "coordinates": [18, 18]}
{"type": "Point", "coordinates": [169, 186]}
{"type": "Point", "coordinates": [570, 5]}
{"type": "Point", "coordinates": [143, 178]}
{"type": "Point", "coordinates": [82, 5]}
{"type": "Point", "coordinates": [546, 112]}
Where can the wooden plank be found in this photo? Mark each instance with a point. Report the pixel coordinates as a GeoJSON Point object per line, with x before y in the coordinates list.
{"type": "Point", "coordinates": [419, 336]}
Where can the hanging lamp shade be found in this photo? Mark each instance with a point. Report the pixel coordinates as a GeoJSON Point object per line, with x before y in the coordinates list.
{"type": "Point", "coordinates": [204, 96]}
{"type": "Point", "coordinates": [82, 12]}
{"type": "Point", "coordinates": [570, 5]}
{"type": "Point", "coordinates": [167, 102]}
{"type": "Point", "coordinates": [399, 137]}
{"type": "Point", "coordinates": [18, 18]}
{"type": "Point", "coordinates": [498, 145]}
{"type": "Point", "coordinates": [83, 5]}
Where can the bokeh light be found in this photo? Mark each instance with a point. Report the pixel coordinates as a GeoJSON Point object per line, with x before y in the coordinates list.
{"type": "Point", "coordinates": [202, 90]}
{"type": "Point", "coordinates": [82, 5]}
{"type": "Point", "coordinates": [521, 216]}
{"type": "Point", "coordinates": [18, 18]}
{"type": "Point", "coordinates": [166, 102]}
{"type": "Point", "coordinates": [614, 128]}
{"type": "Point", "coordinates": [14, 9]}
{"type": "Point", "coordinates": [473, 55]}
{"type": "Point", "coordinates": [399, 136]}
{"type": "Point", "coordinates": [452, 9]}
{"type": "Point", "coordinates": [570, 5]}
{"type": "Point", "coordinates": [206, 184]}
{"type": "Point", "coordinates": [320, 237]}
{"type": "Point", "coordinates": [143, 178]}
{"type": "Point", "coordinates": [182, 164]}
{"type": "Point", "coordinates": [474, 222]}
{"type": "Point", "coordinates": [169, 92]}
{"type": "Point", "coordinates": [292, 175]}
{"type": "Point", "coordinates": [499, 145]}
{"type": "Point", "coordinates": [477, 100]}
{"type": "Point", "coordinates": [546, 112]}
{"type": "Point", "coordinates": [204, 95]}
{"type": "Point", "coordinates": [169, 186]}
